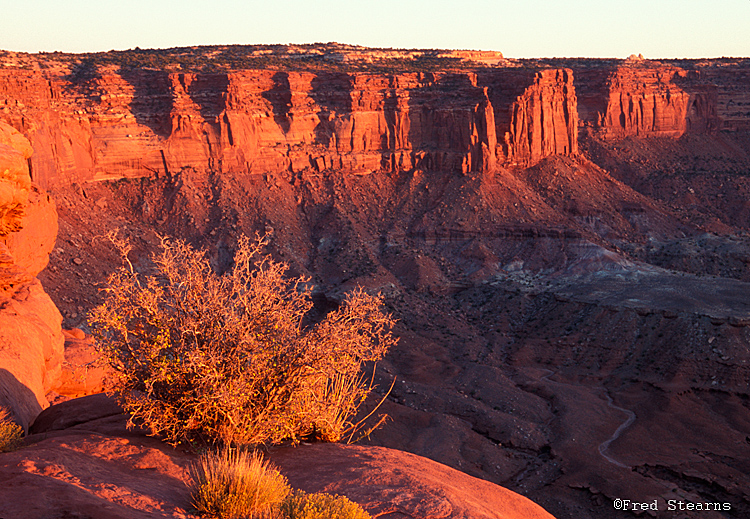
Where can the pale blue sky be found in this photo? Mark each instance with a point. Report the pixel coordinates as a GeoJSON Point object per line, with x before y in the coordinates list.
{"type": "Point", "coordinates": [519, 29]}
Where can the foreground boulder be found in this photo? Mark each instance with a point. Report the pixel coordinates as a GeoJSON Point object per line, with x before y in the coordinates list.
{"type": "Point", "coordinates": [396, 484]}
{"type": "Point", "coordinates": [83, 462]}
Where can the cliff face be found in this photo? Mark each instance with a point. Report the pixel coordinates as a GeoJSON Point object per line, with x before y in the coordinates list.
{"type": "Point", "coordinates": [153, 123]}
{"type": "Point", "coordinates": [732, 84]}
{"type": "Point", "coordinates": [651, 101]}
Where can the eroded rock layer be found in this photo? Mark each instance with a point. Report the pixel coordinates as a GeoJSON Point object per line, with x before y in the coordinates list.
{"type": "Point", "coordinates": [544, 119]}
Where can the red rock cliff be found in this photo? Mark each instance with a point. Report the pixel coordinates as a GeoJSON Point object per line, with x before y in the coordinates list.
{"type": "Point", "coordinates": [100, 124]}
{"type": "Point", "coordinates": [144, 123]}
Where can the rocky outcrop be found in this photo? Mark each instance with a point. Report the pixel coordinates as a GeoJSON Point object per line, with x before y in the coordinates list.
{"type": "Point", "coordinates": [731, 82]}
{"type": "Point", "coordinates": [15, 182]}
{"type": "Point", "coordinates": [31, 352]}
{"type": "Point", "coordinates": [647, 102]}
{"type": "Point", "coordinates": [96, 123]}
{"type": "Point", "coordinates": [31, 342]}
{"type": "Point", "coordinates": [399, 485]}
{"type": "Point", "coordinates": [82, 375]}
{"type": "Point", "coordinates": [85, 463]}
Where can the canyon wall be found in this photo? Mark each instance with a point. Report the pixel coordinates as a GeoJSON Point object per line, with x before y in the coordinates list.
{"type": "Point", "coordinates": [732, 83]}
{"type": "Point", "coordinates": [98, 123]}
{"type": "Point", "coordinates": [649, 102]}
{"type": "Point", "coordinates": [113, 125]}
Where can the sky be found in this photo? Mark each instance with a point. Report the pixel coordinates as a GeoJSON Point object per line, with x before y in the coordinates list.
{"type": "Point", "coordinates": [517, 28]}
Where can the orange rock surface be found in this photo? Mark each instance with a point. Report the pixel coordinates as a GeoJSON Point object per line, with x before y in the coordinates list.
{"type": "Point", "coordinates": [652, 99]}
{"type": "Point", "coordinates": [108, 124]}
{"type": "Point", "coordinates": [650, 102]}
{"type": "Point", "coordinates": [31, 342]}
{"type": "Point", "coordinates": [396, 484]}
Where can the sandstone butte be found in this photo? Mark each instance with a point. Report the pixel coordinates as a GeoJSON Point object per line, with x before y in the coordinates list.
{"type": "Point", "coordinates": [59, 129]}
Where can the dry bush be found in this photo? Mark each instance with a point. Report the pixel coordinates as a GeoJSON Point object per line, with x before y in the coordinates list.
{"type": "Point", "coordinates": [196, 355]}
{"type": "Point", "coordinates": [232, 483]}
{"type": "Point", "coordinates": [321, 506]}
{"type": "Point", "coordinates": [11, 433]}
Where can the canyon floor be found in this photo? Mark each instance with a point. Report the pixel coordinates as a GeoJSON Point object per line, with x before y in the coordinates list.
{"type": "Point", "coordinates": [576, 331]}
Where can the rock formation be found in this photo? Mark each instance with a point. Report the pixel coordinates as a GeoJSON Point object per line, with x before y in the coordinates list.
{"type": "Point", "coordinates": [15, 183]}
{"type": "Point", "coordinates": [647, 102]}
{"type": "Point", "coordinates": [82, 375]}
{"type": "Point", "coordinates": [96, 122]}
{"type": "Point", "coordinates": [31, 342]}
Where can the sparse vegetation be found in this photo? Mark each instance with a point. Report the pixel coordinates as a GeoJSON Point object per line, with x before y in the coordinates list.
{"type": "Point", "coordinates": [223, 58]}
{"type": "Point", "coordinates": [233, 483]}
{"type": "Point", "coordinates": [320, 505]}
{"type": "Point", "coordinates": [11, 433]}
{"type": "Point", "coordinates": [198, 356]}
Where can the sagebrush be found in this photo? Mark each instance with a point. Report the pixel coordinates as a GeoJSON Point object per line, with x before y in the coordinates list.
{"type": "Point", "coordinates": [197, 355]}
{"type": "Point", "coordinates": [11, 434]}
{"type": "Point", "coordinates": [232, 483]}
{"type": "Point", "coordinates": [321, 505]}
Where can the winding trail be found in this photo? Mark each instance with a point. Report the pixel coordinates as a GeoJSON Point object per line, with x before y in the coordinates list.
{"type": "Point", "coordinates": [604, 446]}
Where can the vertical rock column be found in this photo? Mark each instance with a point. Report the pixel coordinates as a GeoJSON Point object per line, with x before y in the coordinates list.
{"type": "Point", "coordinates": [544, 119]}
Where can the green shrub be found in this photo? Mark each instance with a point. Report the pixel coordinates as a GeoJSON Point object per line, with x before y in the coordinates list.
{"type": "Point", "coordinates": [321, 506]}
{"type": "Point", "coordinates": [199, 356]}
{"type": "Point", "coordinates": [232, 483]}
{"type": "Point", "coordinates": [11, 433]}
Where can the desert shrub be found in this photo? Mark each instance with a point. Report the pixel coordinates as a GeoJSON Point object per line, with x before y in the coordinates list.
{"type": "Point", "coordinates": [11, 433]}
{"type": "Point", "coordinates": [202, 356]}
{"type": "Point", "coordinates": [320, 505]}
{"type": "Point", "coordinates": [232, 483]}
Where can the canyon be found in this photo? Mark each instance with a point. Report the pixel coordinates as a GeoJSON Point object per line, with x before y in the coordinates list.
{"type": "Point", "coordinates": [564, 242]}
